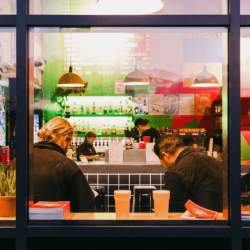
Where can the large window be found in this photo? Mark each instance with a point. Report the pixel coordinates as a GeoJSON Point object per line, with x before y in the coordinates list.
{"type": "Point", "coordinates": [128, 7]}
{"type": "Point", "coordinates": [179, 82]}
{"type": "Point", "coordinates": [7, 123]}
{"type": "Point", "coordinates": [245, 121]}
{"type": "Point", "coordinates": [8, 7]}
{"type": "Point", "coordinates": [245, 7]}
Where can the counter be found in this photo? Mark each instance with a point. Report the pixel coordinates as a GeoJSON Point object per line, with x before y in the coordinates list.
{"type": "Point", "coordinates": [132, 216]}
{"type": "Point", "coordinates": [108, 177]}
{"type": "Point", "coordinates": [133, 167]}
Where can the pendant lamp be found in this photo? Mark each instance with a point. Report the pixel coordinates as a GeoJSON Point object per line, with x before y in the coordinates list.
{"type": "Point", "coordinates": [136, 78]}
{"type": "Point", "coordinates": [205, 79]}
{"type": "Point", "coordinates": [127, 7]}
{"type": "Point", "coordinates": [71, 80]}
{"type": "Point", "coordinates": [71, 83]}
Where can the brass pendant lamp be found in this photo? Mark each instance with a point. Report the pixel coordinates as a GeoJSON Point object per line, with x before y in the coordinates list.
{"type": "Point", "coordinates": [205, 79]}
{"type": "Point", "coordinates": [71, 80]}
{"type": "Point", "coordinates": [72, 83]}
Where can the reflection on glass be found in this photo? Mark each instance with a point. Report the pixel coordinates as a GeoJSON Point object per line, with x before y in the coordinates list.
{"type": "Point", "coordinates": [172, 77]}
{"type": "Point", "coordinates": [244, 7]}
{"type": "Point", "coordinates": [128, 7]}
{"type": "Point", "coordinates": [8, 7]}
{"type": "Point", "coordinates": [245, 122]}
{"type": "Point", "coordinates": [7, 124]}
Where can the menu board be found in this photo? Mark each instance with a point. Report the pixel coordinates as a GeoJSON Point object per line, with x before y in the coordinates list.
{"type": "Point", "coordinates": [186, 104]}
{"type": "Point", "coordinates": [156, 104]}
{"type": "Point", "coordinates": [140, 104]}
{"type": "Point", "coordinates": [202, 104]}
{"type": "Point", "coordinates": [171, 104]}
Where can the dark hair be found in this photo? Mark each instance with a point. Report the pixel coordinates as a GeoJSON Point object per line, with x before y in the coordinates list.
{"type": "Point", "coordinates": [168, 144]}
{"type": "Point", "coordinates": [142, 122]}
{"type": "Point", "coordinates": [90, 134]}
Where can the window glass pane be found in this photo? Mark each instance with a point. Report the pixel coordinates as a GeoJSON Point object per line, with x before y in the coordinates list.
{"type": "Point", "coordinates": [128, 7]}
{"type": "Point", "coordinates": [8, 7]}
{"type": "Point", "coordinates": [245, 7]}
{"type": "Point", "coordinates": [165, 81]}
{"type": "Point", "coordinates": [7, 123]}
{"type": "Point", "coordinates": [244, 120]}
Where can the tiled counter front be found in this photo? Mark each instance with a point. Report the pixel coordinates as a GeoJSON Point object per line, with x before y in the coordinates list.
{"type": "Point", "coordinates": [124, 176]}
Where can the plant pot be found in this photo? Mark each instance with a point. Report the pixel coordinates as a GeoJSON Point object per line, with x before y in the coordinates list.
{"type": "Point", "coordinates": [7, 206]}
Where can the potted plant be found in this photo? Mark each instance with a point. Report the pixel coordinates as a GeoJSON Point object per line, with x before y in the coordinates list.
{"type": "Point", "coordinates": [7, 190]}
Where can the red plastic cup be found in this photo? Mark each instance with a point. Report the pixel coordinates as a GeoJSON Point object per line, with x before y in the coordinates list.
{"type": "Point", "coordinates": [142, 145]}
{"type": "Point", "coordinates": [146, 138]}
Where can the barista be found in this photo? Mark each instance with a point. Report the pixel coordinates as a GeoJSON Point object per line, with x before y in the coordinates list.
{"type": "Point", "coordinates": [146, 130]}
{"type": "Point", "coordinates": [86, 149]}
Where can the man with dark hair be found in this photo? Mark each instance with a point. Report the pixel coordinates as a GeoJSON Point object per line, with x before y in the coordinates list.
{"type": "Point", "coordinates": [190, 175]}
{"type": "Point", "coordinates": [86, 149]}
{"type": "Point", "coordinates": [146, 130]}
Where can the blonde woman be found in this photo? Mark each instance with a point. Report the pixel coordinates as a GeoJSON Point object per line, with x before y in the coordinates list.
{"type": "Point", "coordinates": [54, 177]}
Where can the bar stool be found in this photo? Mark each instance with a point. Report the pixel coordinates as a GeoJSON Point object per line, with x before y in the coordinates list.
{"type": "Point", "coordinates": [143, 198]}
{"type": "Point", "coordinates": [100, 199]}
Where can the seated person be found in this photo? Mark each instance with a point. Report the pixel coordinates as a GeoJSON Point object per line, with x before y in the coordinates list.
{"type": "Point", "coordinates": [87, 149]}
{"type": "Point", "coordinates": [54, 177]}
{"type": "Point", "coordinates": [145, 129]}
{"type": "Point", "coordinates": [190, 175]}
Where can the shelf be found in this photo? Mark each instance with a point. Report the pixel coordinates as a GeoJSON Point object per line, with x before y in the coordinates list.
{"type": "Point", "coordinates": [95, 115]}
{"type": "Point", "coordinates": [102, 136]}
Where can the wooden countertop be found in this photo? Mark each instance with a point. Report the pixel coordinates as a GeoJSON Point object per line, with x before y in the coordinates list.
{"type": "Point", "coordinates": [132, 216]}
{"type": "Point", "coordinates": [7, 218]}
{"type": "Point", "coordinates": [139, 167]}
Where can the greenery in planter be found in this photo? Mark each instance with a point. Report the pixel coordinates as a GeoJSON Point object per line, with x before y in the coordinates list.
{"type": "Point", "coordinates": [8, 179]}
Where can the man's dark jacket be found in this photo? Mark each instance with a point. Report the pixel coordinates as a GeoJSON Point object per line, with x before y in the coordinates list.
{"type": "Point", "coordinates": [54, 177]}
{"type": "Point", "coordinates": [197, 177]}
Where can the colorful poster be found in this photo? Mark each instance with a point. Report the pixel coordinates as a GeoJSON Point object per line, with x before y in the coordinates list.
{"type": "Point", "coordinates": [186, 104]}
{"type": "Point", "coordinates": [155, 104]}
{"type": "Point", "coordinates": [171, 104]}
{"type": "Point", "coordinates": [140, 104]}
{"type": "Point", "coordinates": [202, 104]}
{"type": "Point", "coordinates": [119, 87]}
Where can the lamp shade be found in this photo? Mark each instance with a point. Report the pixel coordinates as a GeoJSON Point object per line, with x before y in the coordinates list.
{"type": "Point", "coordinates": [127, 7]}
{"type": "Point", "coordinates": [71, 80]}
{"type": "Point", "coordinates": [205, 79]}
{"type": "Point", "coordinates": [136, 78]}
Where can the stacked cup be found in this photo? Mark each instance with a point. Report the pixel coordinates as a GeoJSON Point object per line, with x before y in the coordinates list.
{"type": "Point", "coordinates": [122, 203]}
{"type": "Point", "coordinates": [161, 203]}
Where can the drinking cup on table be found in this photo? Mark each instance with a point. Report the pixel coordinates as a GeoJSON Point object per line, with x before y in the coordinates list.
{"type": "Point", "coordinates": [161, 203]}
{"type": "Point", "coordinates": [122, 203]}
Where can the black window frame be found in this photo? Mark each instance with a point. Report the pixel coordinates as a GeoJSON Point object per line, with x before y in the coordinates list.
{"type": "Point", "coordinates": [22, 21]}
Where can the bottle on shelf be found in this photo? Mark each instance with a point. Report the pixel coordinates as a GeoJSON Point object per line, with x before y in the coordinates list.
{"type": "Point", "coordinates": [93, 108]}
{"type": "Point", "coordinates": [105, 109]}
{"type": "Point", "coordinates": [110, 110]}
{"type": "Point", "coordinates": [87, 110]}
{"type": "Point", "coordinates": [82, 109]}
{"type": "Point", "coordinates": [74, 109]}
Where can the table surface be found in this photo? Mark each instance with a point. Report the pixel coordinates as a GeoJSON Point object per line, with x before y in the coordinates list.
{"type": "Point", "coordinates": [105, 163]}
{"type": "Point", "coordinates": [132, 216]}
{"type": "Point", "coordinates": [128, 168]}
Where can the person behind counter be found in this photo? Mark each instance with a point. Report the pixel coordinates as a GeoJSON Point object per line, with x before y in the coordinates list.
{"type": "Point", "coordinates": [190, 175]}
{"type": "Point", "coordinates": [54, 177]}
{"type": "Point", "coordinates": [87, 149]}
{"type": "Point", "coordinates": [146, 130]}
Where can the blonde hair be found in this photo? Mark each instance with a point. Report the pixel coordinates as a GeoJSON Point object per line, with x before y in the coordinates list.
{"type": "Point", "coordinates": [54, 129]}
